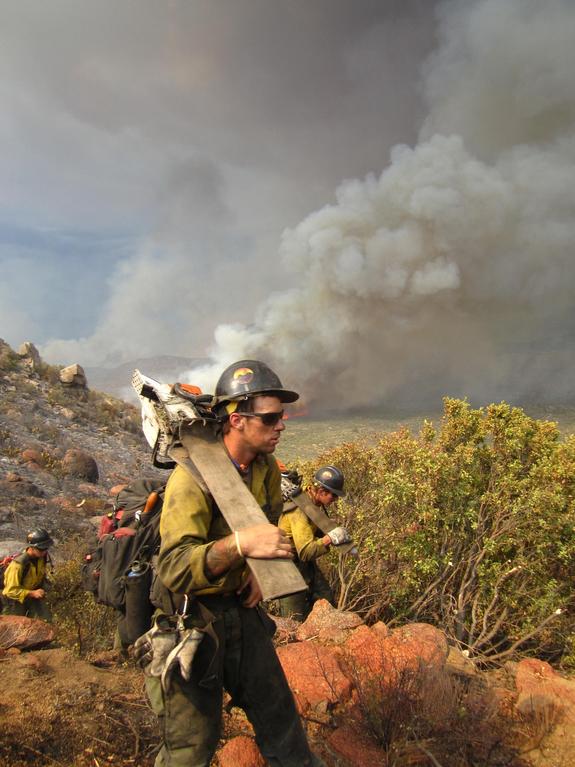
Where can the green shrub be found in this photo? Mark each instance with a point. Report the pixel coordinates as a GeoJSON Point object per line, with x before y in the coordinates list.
{"type": "Point", "coordinates": [9, 360]}
{"type": "Point", "coordinates": [470, 528]}
{"type": "Point", "coordinates": [82, 625]}
{"type": "Point", "coordinates": [49, 373]}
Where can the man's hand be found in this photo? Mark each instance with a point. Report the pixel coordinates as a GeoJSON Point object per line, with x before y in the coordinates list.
{"type": "Point", "coordinates": [37, 594]}
{"type": "Point", "coordinates": [265, 541]}
{"type": "Point", "coordinates": [339, 536]}
{"type": "Point", "coordinates": [250, 592]}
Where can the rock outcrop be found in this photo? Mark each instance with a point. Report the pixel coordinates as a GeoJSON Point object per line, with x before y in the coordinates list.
{"type": "Point", "coordinates": [30, 355]}
{"type": "Point", "coordinates": [24, 633]}
{"type": "Point", "coordinates": [74, 376]}
{"type": "Point", "coordinates": [81, 465]}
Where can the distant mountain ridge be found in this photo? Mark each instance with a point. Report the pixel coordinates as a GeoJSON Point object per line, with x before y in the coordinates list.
{"type": "Point", "coordinates": [117, 380]}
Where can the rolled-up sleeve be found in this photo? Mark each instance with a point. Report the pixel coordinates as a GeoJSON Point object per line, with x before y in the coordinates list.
{"type": "Point", "coordinates": [20, 580]}
{"type": "Point", "coordinates": [303, 533]}
{"type": "Point", "coordinates": [188, 531]}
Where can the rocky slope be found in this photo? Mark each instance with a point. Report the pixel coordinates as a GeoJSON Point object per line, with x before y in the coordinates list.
{"type": "Point", "coordinates": [63, 447]}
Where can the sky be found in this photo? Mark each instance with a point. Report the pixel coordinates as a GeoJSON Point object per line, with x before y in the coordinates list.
{"type": "Point", "coordinates": [377, 198]}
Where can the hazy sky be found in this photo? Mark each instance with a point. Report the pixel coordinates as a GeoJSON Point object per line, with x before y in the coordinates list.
{"type": "Point", "coordinates": [376, 197]}
{"type": "Point", "coordinates": [153, 153]}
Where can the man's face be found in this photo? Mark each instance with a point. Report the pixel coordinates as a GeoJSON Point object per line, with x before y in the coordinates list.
{"type": "Point", "coordinates": [325, 497]}
{"type": "Point", "coordinates": [38, 553]}
{"type": "Point", "coordinates": [255, 434]}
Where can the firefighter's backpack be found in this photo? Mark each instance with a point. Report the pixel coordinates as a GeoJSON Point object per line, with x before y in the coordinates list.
{"type": "Point", "coordinates": [119, 570]}
{"type": "Point", "coordinates": [5, 561]}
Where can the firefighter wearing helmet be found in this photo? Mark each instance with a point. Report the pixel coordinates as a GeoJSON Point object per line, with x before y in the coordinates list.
{"type": "Point", "coordinates": [200, 557]}
{"type": "Point", "coordinates": [309, 542]}
{"type": "Point", "coordinates": [24, 591]}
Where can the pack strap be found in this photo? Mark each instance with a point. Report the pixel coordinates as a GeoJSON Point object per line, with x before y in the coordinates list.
{"type": "Point", "coordinates": [208, 458]}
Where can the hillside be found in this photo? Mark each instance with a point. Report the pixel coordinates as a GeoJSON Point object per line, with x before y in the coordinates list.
{"type": "Point", "coordinates": [368, 695]}
{"type": "Point", "coordinates": [43, 482]}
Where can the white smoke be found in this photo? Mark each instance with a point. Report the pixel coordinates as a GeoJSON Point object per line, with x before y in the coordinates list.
{"type": "Point", "coordinates": [454, 271]}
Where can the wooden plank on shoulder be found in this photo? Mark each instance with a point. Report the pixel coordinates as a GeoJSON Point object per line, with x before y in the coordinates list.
{"type": "Point", "coordinates": [275, 577]}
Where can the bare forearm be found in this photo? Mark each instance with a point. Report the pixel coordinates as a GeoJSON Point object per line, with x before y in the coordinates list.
{"type": "Point", "coordinates": [263, 541]}
{"type": "Point", "coordinates": [221, 557]}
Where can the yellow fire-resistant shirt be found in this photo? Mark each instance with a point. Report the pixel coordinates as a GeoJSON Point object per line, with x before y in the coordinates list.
{"type": "Point", "coordinates": [21, 579]}
{"type": "Point", "coordinates": [191, 523]}
{"type": "Point", "coordinates": [302, 532]}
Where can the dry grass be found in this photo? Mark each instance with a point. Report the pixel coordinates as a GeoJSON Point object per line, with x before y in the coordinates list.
{"type": "Point", "coordinates": [427, 716]}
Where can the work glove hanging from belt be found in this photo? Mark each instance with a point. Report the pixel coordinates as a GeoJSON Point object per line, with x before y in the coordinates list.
{"type": "Point", "coordinates": [167, 646]}
{"type": "Point", "coordinates": [339, 536]}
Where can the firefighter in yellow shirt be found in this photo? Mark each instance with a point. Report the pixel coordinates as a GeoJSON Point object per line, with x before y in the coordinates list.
{"type": "Point", "coordinates": [202, 559]}
{"type": "Point", "coordinates": [24, 590]}
{"type": "Point", "coordinates": [310, 543]}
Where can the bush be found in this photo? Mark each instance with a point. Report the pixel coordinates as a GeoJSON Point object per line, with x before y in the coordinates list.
{"type": "Point", "coordinates": [427, 716]}
{"type": "Point", "coordinates": [82, 624]}
{"type": "Point", "coordinates": [470, 528]}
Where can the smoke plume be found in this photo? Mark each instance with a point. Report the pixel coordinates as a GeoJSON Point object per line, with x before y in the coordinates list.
{"type": "Point", "coordinates": [453, 271]}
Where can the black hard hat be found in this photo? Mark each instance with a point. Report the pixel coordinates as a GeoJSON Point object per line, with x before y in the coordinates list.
{"type": "Point", "coordinates": [39, 538]}
{"type": "Point", "coordinates": [248, 378]}
{"type": "Point", "coordinates": [330, 479]}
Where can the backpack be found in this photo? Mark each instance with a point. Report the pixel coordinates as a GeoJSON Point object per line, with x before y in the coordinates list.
{"type": "Point", "coordinates": [4, 562]}
{"type": "Point", "coordinates": [118, 572]}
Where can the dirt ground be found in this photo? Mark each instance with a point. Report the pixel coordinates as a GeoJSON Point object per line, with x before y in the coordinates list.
{"type": "Point", "coordinates": [58, 710]}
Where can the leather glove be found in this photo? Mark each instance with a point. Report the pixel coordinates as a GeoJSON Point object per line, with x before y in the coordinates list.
{"type": "Point", "coordinates": [151, 650]}
{"type": "Point", "coordinates": [142, 651]}
{"type": "Point", "coordinates": [338, 536]}
{"type": "Point", "coordinates": [181, 657]}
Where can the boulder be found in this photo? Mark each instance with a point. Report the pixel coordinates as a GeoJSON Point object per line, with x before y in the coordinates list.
{"type": "Point", "coordinates": [328, 625]}
{"type": "Point", "coordinates": [542, 693]}
{"type": "Point", "coordinates": [241, 751]}
{"type": "Point", "coordinates": [315, 675]}
{"type": "Point", "coordinates": [77, 463]}
{"type": "Point", "coordinates": [24, 633]}
{"type": "Point", "coordinates": [365, 654]}
{"type": "Point", "coordinates": [418, 643]}
{"type": "Point", "coordinates": [30, 455]}
{"type": "Point", "coordinates": [74, 375]}
{"type": "Point", "coordinates": [355, 747]}
{"type": "Point", "coordinates": [30, 354]}
{"type": "Point", "coordinates": [374, 657]}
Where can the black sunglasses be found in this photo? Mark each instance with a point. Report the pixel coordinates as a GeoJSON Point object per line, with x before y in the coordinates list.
{"type": "Point", "coordinates": [268, 419]}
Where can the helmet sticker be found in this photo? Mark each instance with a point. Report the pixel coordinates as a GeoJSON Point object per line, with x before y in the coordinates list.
{"type": "Point", "coordinates": [243, 376]}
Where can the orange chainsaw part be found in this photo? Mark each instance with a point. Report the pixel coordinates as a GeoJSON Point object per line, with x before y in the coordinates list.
{"type": "Point", "coordinates": [191, 389]}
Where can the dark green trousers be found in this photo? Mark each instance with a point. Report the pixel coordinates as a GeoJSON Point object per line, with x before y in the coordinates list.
{"type": "Point", "coordinates": [32, 608]}
{"type": "Point", "coordinates": [248, 668]}
{"type": "Point", "coordinates": [298, 606]}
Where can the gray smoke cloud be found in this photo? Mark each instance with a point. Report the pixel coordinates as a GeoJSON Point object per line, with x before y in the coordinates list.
{"type": "Point", "coordinates": [452, 272]}
{"type": "Point", "coordinates": [191, 133]}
